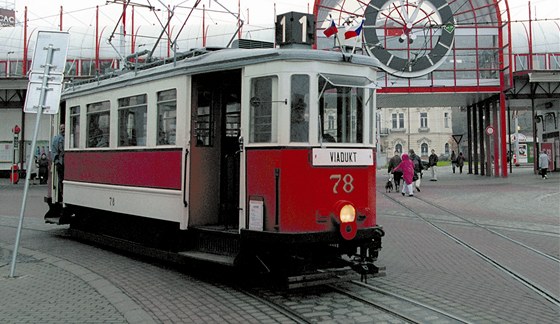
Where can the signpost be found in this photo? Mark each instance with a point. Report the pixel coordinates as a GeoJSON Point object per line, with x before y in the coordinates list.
{"type": "Point", "coordinates": [43, 95]}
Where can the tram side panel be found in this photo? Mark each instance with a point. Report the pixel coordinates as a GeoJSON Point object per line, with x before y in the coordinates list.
{"type": "Point", "coordinates": [145, 183]}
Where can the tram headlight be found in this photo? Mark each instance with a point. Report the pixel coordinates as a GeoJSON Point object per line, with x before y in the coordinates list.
{"type": "Point", "coordinates": [347, 214]}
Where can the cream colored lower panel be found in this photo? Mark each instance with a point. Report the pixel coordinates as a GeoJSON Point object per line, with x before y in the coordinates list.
{"type": "Point", "coordinates": [153, 203]}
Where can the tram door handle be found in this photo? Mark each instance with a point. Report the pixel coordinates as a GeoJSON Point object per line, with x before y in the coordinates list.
{"type": "Point", "coordinates": [185, 202]}
{"type": "Point", "coordinates": [240, 144]}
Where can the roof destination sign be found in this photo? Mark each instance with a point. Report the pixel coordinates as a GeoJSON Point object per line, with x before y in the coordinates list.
{"type": "Point", "coordinates": [45, 80]}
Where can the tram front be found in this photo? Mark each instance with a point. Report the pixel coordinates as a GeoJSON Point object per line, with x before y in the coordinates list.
{"type": "Point", "coordinates": [309, 157]}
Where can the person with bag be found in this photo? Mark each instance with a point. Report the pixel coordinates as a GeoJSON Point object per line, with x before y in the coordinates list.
{"type": "Point", "coordinates": [417, 163]}
{"type": "Point", "coordinates": [407, 168]}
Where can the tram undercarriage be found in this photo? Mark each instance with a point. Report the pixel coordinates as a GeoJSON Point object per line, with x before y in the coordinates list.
{"type": "Point", "coordinates": [285, 260]}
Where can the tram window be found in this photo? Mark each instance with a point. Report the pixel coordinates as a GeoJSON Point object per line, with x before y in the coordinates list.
{"type": "Point", "coordinates": [260, 127]}
{"type": "Point", "coordinates": [341, 111]}
{"type": "Point", "coordinates": [133, 118]}
{"type": "Point", "coordinates": [98, 116]}
{"type": "Point", "coordinates": [299, 113]}
{"type": "Point", "coordinates": [167, 116]}
{"type": "Point", "coordinates": [74, 127]}
{"type": "Point", "coordinates": [233, 119]}
{"type": "Point", "coordinates": [204, 120]}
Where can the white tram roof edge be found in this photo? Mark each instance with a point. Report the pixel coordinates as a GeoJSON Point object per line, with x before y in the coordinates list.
{"type": "Point", "coordinates": [214, 61]}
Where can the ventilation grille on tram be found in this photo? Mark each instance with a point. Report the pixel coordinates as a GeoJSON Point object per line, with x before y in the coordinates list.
{"type": "Point", "coordinates": [250, 44]}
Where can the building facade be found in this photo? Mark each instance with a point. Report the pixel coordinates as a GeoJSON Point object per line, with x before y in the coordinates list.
{"type": "Point", "coordinates": [421, 129]}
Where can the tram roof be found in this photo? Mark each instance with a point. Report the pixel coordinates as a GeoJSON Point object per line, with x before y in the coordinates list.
{"type": "Point", "coordinates": [214, 61]}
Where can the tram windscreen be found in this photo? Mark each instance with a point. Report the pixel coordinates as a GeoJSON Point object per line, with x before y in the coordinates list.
{"type": "Point", "coordinates": [341, 112]}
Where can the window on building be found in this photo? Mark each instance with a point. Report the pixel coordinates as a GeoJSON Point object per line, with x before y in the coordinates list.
{"type": "Point", "coordinates": [397, 120]}
{"type": "Point", "coordinates": [446, 119]}
{"type": "Point", "coordinates": [98, 116]}
{"type": "Point", "coordinates": [424, 149]}
{"type": "Point", "coordinates": [167, 117]}
{"type": "Point", "coordinates": [424, 120]}
{"type": "Point", "coordinates": [398, 148]}
{"type": "Point", "coordinates": [74, 139]}
{"type": "Point", "coordinates": [299, 113]}
{"type": "Point", "coordinates": [87, 67]}
{"type": "Point", "coordinates": [15, 68]}
{"type": "Point", "coordinates": [3, 69]}
{"type": "Point", "coordinates": [71, 68]}
{"type": "Point", "coordinates": [262, 97]}
{"type": "Point", "coordinates": [446, 148]}
{"type": "Point", "coordinates": [133, 119]}
{"type": "Point", "coordinates": [331, 122]}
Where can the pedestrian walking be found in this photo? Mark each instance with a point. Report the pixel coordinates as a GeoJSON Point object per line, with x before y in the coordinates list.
{"type": "Point", "coordinates": [417, 163]}
{"type": "Point", "coordinates": [407, 168]}
{"type": "Point", "coordinates": [43, 164]}
{"type": "Point", "coordinates": [397, 175]}
{"type": "Point", "coordinates": [543, 164]}
{"type": "Point", "coordinates": [453, 161]}
{"type": "Point", "coordinates": [460, 162]}
{"type": "Point", "coordinates": [432, 161]}
{"type": "Point", "coordinates": [58, 159]}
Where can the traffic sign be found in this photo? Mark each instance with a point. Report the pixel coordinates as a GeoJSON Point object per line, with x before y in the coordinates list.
{"type": "Point", "coordinates": [457, 138]}
{"type": "Point", "coordinates": [45, 80]}
{"type": "Point", "coordinates": [52, 97]}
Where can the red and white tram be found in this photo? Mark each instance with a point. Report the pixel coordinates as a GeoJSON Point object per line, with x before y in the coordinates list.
{"type": "Point", "coordinates": [261, 156]}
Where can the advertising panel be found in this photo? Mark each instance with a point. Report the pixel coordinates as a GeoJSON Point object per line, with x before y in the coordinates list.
{"type": "Point", "coordinates": [7, 18]}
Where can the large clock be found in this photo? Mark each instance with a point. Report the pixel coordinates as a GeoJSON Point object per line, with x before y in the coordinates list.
{"type": "Point", "coordinates": [409, 37]}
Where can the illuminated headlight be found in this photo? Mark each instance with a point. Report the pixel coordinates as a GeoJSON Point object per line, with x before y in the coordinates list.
{"type": "Point", "coordinates": [347, 214]}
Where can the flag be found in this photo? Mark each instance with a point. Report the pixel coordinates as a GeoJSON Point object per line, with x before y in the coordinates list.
{"type": "Point", "coordinates": [331, 30]}
{"type": "Point", "coordinates": [354, 31]}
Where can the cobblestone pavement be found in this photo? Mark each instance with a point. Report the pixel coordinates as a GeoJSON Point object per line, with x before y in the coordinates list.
{"type": "Point", "coordinates": [423, 264]}
{"type": "Point", "coordinates": [59, 280]}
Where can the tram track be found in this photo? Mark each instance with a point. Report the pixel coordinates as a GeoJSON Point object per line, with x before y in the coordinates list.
{"type": "Point", "coordinates": [409, 310]}
{"type": "Point", "coordinates": [468, 221]}
{"type": "Point", "coordinates": [538, 289]}
{"type": "Point", "coordinates": [499, 227]}
{"type": "Point", "coordinates": [329, 302]}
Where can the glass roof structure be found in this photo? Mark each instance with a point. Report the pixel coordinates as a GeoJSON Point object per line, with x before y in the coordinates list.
{"type": "Point", "coordinates": [477, 60]}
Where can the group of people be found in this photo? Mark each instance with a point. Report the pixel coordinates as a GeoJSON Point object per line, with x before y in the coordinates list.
{"type": "Point", "coordinates": [408, 167]}
{"type": "Point", "coordinates": [457, 161]}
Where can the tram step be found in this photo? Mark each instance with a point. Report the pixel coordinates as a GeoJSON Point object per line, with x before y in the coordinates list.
{"type": "Point", "coordinates": [57, 220]}
{"type": "Point", "coordinates": [227, 260]}
{"type": "Point", "coordinates": [216, 242]}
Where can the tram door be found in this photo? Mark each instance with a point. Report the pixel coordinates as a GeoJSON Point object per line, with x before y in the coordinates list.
{"type": "Point", "coordinates": [214, 178]}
